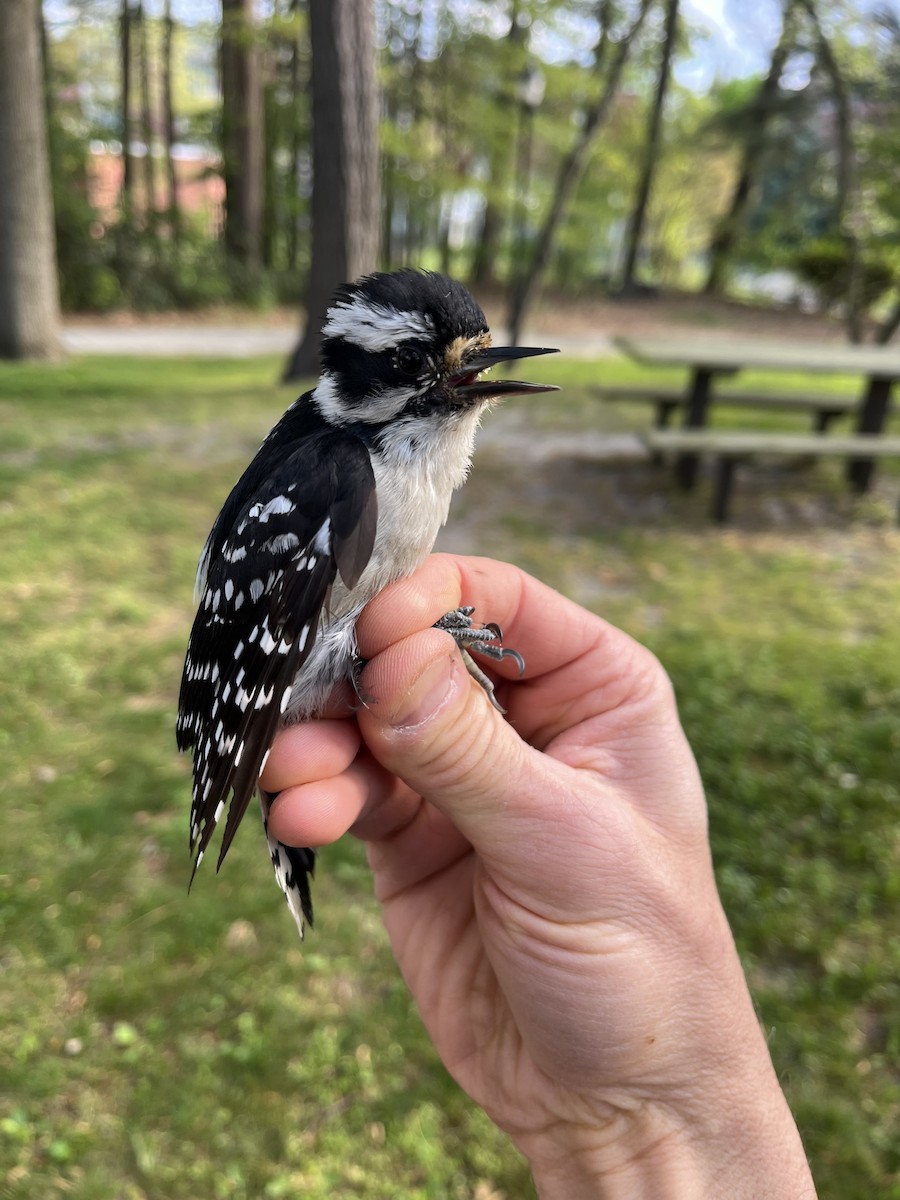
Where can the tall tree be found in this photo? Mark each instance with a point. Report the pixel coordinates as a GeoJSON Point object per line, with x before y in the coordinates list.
{"type": "Point", "coordinates": [764, 107]}
{"type": "Point", "coordinates": [610, 57]}
{"type": "Point", "coordinates": [345, 195]}
{"type": "Point", "coordinates": [847, 173]}
{"type": "Point", "coordinates": [889, 326]}
{"type": "Point", "coordinates": [484, 263]}
{"type": "Point", "coordinates": [651, 150]}
{"type": "Point", "coordinates": [173, 206]}
{"type": "Point", "coordinates": [146, 114]}
{"type": "Point", "coordinates": [885, 148]}
{"type": "Point", "coordinates": [29, 292]}
{"type": "Point", "coordinates": [299, 86]}
{"type": "Point", "coordinates": [242, 132]}
{"type": "Point", "coordinates": [128, 174]}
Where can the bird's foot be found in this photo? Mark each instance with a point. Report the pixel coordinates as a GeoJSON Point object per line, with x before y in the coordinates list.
{"type": "Point", "coordinates": [484, 639]}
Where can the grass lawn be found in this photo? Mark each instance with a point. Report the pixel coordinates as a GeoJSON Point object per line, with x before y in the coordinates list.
{"type": "Point", "coordinates": [155, 1045]}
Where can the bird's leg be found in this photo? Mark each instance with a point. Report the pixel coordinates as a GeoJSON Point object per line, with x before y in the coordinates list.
{"type": "Point", "coordinates": [485, 639]}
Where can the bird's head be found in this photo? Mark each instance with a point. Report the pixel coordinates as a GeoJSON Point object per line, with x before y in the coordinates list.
{"type": "Point", "coordinates": [410, 346]}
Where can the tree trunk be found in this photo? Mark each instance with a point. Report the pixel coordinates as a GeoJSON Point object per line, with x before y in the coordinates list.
{"type": "Point", "coordinates": [29, 291]}
{"type": "Point", "coordinates": [125, 110]}
{"type": "Point", "coordinates": [146, 111]}
{"type": "Point", "coordinates": [46, 73]}
{"type": "Point", "coordinates": [272, 183]}
{"type": "Point", "coordinates": [173, 206]}
{"type": "Point", "coordinates": [242, 133]}
{"type": "Point", "coordinates": [651, 151]}
{"type": "Point", "coordinates": [724, 238]}
{"type": "Point", "coordinates": [345, 197]}
{"type": "Point", "coordinates": [299, 85]}
{"type": "Point", "coordinates": [847, 176]}
{"type": "Point", "coordinates": [889, 326]}
{"type": "Point", "coordinates": [484, 263]}
{"type": "Point", "coordinates": [573, 164]}
{"type": "Point", "coordinates": [445, 221]}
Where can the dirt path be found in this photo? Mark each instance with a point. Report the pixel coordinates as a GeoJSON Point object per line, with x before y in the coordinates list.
{"type": "Point", "coordinates": [580, 328]}
{"type": "Point", "coordinates": [235, 341]}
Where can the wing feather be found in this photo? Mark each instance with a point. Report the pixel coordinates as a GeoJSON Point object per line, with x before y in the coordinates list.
{"type": "Point", "coordinates": [258, 618]}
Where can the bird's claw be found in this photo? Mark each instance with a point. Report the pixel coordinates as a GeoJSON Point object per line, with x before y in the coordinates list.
{"type": "Point", "coordinates": [363, 699]}
{"type": "Point", "coordinates": [484, 640]}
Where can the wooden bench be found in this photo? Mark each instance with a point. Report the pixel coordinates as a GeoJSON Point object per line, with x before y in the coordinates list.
{"type": "Point", "coordinates": [823, 406]}
{"type": "Point", "coordinates": [730, 448]}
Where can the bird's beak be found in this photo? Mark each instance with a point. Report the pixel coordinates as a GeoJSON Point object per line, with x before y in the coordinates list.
{"type": "Point", "coordinates": [467, 386]}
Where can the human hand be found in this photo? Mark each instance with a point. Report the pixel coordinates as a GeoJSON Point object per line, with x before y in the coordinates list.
{"type": "Point", "coordinates": [550, 901]}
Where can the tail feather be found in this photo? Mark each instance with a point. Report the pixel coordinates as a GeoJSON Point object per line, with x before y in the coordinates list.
{"type": "Point", "coordinates": [294, 867]}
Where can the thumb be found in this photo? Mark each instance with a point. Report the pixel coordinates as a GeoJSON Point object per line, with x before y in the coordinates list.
{"type": "Point", "coordinates": [435, 728]}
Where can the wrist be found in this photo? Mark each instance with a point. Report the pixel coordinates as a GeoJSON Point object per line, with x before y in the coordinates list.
{"type": "Point", "coordinates": [745, 1147]}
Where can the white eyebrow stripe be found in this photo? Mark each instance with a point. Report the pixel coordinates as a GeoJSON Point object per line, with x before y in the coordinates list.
{"type": "Point", "coordinates": [374, 326]}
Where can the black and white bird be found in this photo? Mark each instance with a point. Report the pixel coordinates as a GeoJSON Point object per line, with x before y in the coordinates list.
{"type": "Point", "coordinates": [345, 495]}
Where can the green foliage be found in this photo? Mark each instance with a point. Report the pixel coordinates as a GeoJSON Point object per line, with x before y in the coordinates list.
{"type": "Point", "coordinates": [455, 144]}
{"type": "Point", "coordinates": [160, 1044]}
{"type": "Point", "coordinates": [145, 273]}
{"type": "Point", "coordinates": [825, 264]}
{"type": "Point", "coordinates": [86, 281]}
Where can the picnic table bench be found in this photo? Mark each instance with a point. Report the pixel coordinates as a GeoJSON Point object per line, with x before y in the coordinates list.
{"type": "Point", "coordinates": [730, 448]}
{"type": "Point", "coordinates": [710, 360]}
{"type": "Point", "coordinates": [824, 406]}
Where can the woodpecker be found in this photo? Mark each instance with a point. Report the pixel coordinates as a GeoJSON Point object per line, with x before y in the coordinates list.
{"type": "Point", "coordinates": [345, 495]}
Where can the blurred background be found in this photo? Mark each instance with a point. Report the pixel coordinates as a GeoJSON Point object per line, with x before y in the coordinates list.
{"type": "Point", "coordinates": [666, 149]}
{"type": "Point", "coordinates": [181, 187]}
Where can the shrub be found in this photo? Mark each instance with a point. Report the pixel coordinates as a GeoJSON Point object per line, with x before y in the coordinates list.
{"type": "Point", "coordinates": [825, 265]}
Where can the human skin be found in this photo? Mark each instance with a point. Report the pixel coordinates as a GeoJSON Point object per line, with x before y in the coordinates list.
{"type": "Point", "coordinates": [551, 901]}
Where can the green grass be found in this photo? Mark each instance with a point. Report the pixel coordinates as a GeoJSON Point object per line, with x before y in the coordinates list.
{"type": "Point", "coordinates": [155, 1045]}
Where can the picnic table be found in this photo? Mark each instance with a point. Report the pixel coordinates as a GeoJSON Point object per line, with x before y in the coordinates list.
{"type": "Point", "coordinates": [710, 359]}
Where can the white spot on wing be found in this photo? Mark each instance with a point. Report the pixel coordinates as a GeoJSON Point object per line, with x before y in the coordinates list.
{"type": "Point", "coordinates": [281, 543]}
{"type": "Point", "coordinates": [276, 506]}
{"type": "Point", "coordinates": [322, 541]}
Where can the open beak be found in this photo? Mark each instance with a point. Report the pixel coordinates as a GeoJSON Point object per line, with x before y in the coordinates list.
{"type": "Point", "coordinates": [468, 386]}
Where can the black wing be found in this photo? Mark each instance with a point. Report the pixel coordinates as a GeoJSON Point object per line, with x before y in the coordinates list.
{"type": "Point", "coordinates": [267, 580]}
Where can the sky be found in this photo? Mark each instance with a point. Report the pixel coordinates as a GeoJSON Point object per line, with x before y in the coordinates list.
{"type": "Point", "coordinates": [733, 38]}
{"type": "Point", "coordinates": [739, 41]}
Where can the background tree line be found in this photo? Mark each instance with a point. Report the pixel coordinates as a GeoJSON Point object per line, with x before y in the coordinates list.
{"type": "Point", "coordinates": [517, 145]}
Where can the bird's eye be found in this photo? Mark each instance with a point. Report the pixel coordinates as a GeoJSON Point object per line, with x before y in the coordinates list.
{"type": "Point", "coordinates": [410, 360]}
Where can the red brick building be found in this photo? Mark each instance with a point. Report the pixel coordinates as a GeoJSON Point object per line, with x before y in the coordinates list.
{"type": "Point", "coordinates": [201, 189]}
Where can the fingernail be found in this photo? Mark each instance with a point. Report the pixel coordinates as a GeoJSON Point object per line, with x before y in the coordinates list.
{"type": "Point", "coordinates": [427, 696]}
